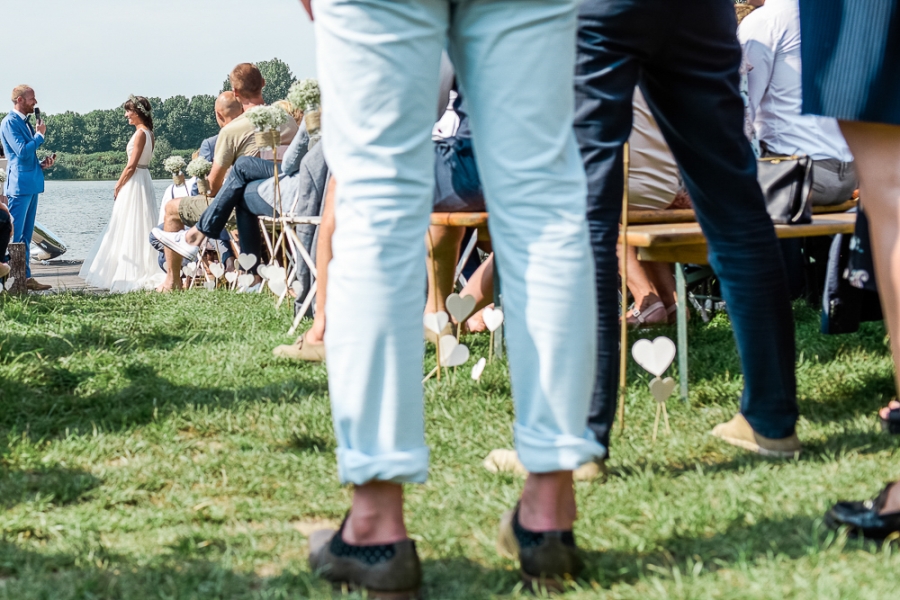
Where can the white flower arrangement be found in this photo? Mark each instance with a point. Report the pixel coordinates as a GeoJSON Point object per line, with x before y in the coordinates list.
{"type": "Point", "coordinates": [305, 95]}
{"type": "Point", "coordinates": [174, 165]}
{"type": "Point", "coordinates": [267, 118]}
{"type": "Point", "coordinates": [2, 178]}
{"type": "Point", "coordinates": [199, 167]}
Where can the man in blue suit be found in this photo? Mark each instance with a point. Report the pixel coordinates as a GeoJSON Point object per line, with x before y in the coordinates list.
{"type": "Point", "coordinates": [25, 174]}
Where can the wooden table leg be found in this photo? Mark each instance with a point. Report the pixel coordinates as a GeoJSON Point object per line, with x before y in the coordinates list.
{"type": "Point", "coordinates": [681, 291]}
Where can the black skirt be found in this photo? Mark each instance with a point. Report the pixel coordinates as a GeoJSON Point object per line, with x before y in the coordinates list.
{"type": "Point", "coordinates": [851, 59]}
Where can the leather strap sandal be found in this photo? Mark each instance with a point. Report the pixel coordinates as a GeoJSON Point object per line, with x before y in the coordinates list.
{"type": "Point", "coordinates": [892, 423]}
{"type": "Point", "coordinates": [640, 318]}
{"type": "Point", "coordinates": [865, 519]}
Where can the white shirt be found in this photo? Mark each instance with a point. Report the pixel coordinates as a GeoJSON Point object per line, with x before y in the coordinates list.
{"type": "Point", "coordinates": [24, 118]}
{"type": "Point", "coordinates": [770, 37]}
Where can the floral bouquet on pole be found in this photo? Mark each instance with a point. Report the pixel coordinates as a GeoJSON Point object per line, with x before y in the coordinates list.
{"type": "Point", "coordinates": [200, 168]}
{"type": "Point", "coordinates": [175, 165]}
{"type": "Point", "coordinates": [306, 95]}
{"type": "Point", "coordinates": [268, 120]}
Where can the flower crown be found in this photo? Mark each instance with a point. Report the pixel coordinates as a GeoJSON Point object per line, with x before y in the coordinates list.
{"type": "Point", "coordinates": [138, 105]}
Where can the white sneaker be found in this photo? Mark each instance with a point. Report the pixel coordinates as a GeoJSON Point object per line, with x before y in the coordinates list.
{"type": "Point", "coordinates": [174, 240]}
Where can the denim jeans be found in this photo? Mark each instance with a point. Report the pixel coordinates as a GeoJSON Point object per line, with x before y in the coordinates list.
{"type": "Point", "coordinates": [685, 57]}
{"type": "Point", "coordinates": [23, 210]}
{"type": "Point", "coordinates": [378, 64]}
{"type": "Point", "coordinates": [234, 197]}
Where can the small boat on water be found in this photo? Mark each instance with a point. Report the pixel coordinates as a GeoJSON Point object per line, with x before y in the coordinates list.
{"type": "Point", "coordinates": [46, 245]}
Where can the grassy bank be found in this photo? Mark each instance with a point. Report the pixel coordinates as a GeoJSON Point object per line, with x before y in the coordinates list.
{"type": "Point", "coordinates": [105, 165]}
{"type": "Point", "coordinates": [155, 449]}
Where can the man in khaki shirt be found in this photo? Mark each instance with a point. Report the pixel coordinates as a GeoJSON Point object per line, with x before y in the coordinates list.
{"type": "Point", "coordinates": [236, 139]}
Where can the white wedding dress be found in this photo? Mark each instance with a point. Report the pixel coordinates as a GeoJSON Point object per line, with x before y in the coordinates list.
{"type": "Point", "coordinates": [123, 260]}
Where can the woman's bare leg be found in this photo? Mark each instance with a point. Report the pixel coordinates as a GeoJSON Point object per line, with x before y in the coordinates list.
{"type": "Point", "coordinates": [443, 252]}
{"type": "Point", "coordinates": [316, 333]}
{"type": "Point", "coordinates": [876, 149]}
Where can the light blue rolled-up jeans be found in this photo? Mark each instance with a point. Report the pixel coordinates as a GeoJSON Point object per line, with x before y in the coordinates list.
{"type": "Point", "coordinates": [378, 64]}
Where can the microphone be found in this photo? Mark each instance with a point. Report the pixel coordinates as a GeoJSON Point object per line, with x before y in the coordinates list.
{"type": "Point", "coordinates": [37, 114]}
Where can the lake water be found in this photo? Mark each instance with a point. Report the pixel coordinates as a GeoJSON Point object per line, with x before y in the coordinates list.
{"type": "Point", "coordinates": [77, 211]}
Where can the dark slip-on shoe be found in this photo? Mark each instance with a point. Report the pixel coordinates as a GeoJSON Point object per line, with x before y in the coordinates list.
{"type": "Point", "coordinates": [547, 559]}
{"type": "Point", "coordinates": [864, 518]}
{"type": "Point", "coordinates": [384, 571]}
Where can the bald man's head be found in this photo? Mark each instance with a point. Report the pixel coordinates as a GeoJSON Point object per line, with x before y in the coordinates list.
{"type": "Point", "coordinates": [228, 108]}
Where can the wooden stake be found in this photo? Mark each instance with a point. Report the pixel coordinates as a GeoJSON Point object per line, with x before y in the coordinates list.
{"type": "Point", "coordinates": [491, 348]}
{"type": "Point", "coordinates": [437, 346]}
{"type": "Point", "coordinates": [624, 322]}
{"type": "Point", "coordinates": [656, 421]}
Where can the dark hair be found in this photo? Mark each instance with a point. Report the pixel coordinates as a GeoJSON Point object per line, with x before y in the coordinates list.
{"type": "Point", "coordinates": [141, 107]}
{"type": "Point", "coordinates": [247, 80]}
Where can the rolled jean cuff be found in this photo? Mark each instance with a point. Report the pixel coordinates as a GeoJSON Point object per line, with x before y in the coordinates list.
{"type": "Point", "coordinates": [406, 466]}
{"type": "Point", "coordinates": [543, 453]}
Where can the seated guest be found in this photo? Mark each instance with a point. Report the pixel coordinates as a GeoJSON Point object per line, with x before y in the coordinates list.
{"type": "Point", "coordinates": [457, 189]}
{"type": "Point", "coordinates": [6, 230]}
{"type": "Point", "coordinates": [770, 37]}
{"type": "Point", "coordinates": [249, 191]}
{"type": "Point", "coordinates": [236, 139]}
{"type": "Point", "coordinates": [654, 183]}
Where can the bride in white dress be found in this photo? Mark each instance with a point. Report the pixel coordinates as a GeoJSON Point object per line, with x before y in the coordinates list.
{"type": "Point", "coordinates": [123, 260]}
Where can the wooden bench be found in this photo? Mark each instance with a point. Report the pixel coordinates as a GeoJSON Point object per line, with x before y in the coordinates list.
{"type": "Point", "coordinates": [683, 242]}
{"type": "Point", "coordinates": [674, 236]}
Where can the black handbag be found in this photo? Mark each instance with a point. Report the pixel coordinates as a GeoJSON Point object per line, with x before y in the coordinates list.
{"type": "Point", "coordinates": [786, 183]}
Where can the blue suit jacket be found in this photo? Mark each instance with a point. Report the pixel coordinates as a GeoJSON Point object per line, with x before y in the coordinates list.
{"type": "Point", "coordinates": [24, 176]}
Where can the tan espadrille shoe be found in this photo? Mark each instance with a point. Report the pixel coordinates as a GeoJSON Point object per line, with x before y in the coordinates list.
{"type": "Point", "coordinates": [302, 349]}
{"type": "Point", "coordinates": [507, 461]}
{"type": "Point", "coordinates": [738, 432]}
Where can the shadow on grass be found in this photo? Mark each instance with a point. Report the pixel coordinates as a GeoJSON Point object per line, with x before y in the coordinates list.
{"type": "Point", "coordinates": [48, 398]}
{"type": "Point", "coordinates": [741, 543]}
{"type": "Point", "coordinates": [54, 484]}
{"type": "Point", "coordinates": [94, 572]}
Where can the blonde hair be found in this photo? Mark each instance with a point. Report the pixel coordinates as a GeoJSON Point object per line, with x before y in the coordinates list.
{"type": "Point", "coordinates": [287, 107]}
{"type": "Point", "coordinates": [19, 91]}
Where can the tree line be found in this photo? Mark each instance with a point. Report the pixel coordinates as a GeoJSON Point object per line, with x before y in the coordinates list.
{"type": "Point", "coordinates": [92, 145]}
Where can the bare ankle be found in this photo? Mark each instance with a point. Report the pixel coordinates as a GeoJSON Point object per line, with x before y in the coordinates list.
{"type": "Point", "coordinates": [548, 502]}
{"type": "Point", "coordinates": [893, 500]}
{"type": "Point", "coordinates": [376, 516]}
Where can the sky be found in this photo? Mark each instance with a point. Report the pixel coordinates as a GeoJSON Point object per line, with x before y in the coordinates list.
{"type": "Point", "coordinates": [91, 54]}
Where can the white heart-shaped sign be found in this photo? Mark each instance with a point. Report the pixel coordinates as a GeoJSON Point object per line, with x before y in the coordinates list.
{"type": "Point", "coordinates": [297, 287]}
{"type": "Point", "coordinates": [276, 272]}
{"type": "Point", "coordinates": [263, 271]}
{"type": "Point", "coordinates": [492, 317]}
{"type": "Point", "coordinates": [210, 285]}
{"type": "Point", "coordinates": [662, 388]}
{"type": "Point", "coordinates": [278, 286]}
{"type": "Point", "coordinates": [10, 281]}
{"type": "Point", "coordinates": [453, 353]}
{"type": "Point", "coordinates": [478, 368]}
{"type": "Point", "coordinates": [231, 276]}
{"type": "Point", "coordinates": [655, 356]}
{"type": "Point", "coordinates": [245, 280]}
{"type": "Point", "coordinates": [247, 261]}
{"type": "Point", "coordinates": [189, 269]}
{"type": "Point", "coordinates": [435, 322]}
{"type": "Point", "coordinates": [460, 307]}
{"type": "Point", "coordinates": [217, 270]}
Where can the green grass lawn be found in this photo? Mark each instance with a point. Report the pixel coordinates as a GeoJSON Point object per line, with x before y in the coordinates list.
{"type": "Point", "coordinates": [154, 449]}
